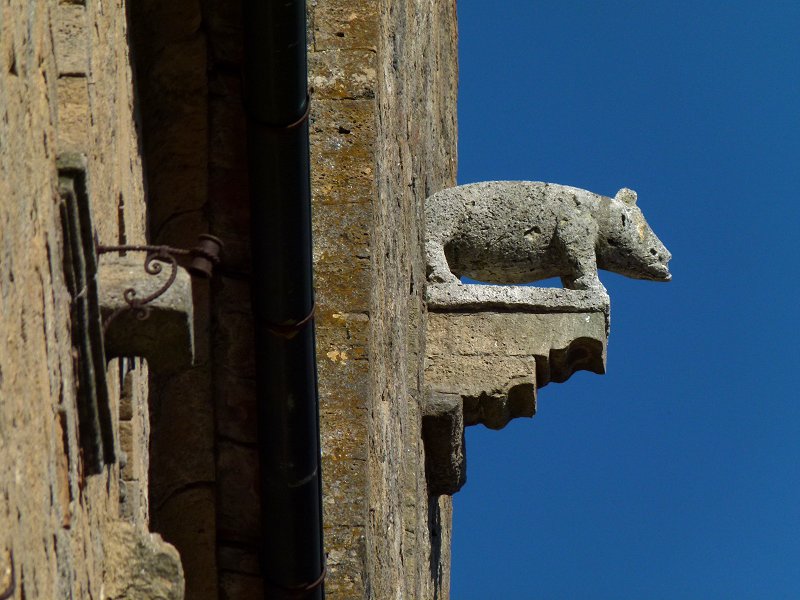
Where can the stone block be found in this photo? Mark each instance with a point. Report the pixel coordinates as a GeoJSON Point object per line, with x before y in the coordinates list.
{"type": "Point", "coordinates": [71, 40]}
{"type": "Point", "coordinates": [74, 121]}
{"type": "Point", "coordinates": [345, 24]}
{"type": "Point", "coordinates": [141, 565]}
{"type": "Point", "coordinates": [133, 502]}
{"type": "Point", "coordinates": [343, 285]}
{"type": "Point", "coordinates": [443, 434]}
{"type": "Point", "coordinates": [239, 500]}
{"type": "Point", "coordinates": [235, 343]}
{"type": "Point", "coordinates": [238, 559]}
{"type": "Point", "coordinates": [126, 442]}
{"type": "Point", "coordinates": [342, 230]}
{"type": "Point", "coordinates": [223, 23]}
{"type": "Point", "coordinates": [236, 408]}
{"type": "Point", "coordinates": [182, 443]}
{"type": "Point", "coordinates": [342, 151]}
{"type": "Point", "coordinates": [188, 520]}
{"type": "Point", "coordinates": [238, 586]}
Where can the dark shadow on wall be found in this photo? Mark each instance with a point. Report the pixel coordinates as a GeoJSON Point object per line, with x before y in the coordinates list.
{"type": "Point", "coordinates": [435, 532]}
{"type": "Point", "coordinates": [168, 54]}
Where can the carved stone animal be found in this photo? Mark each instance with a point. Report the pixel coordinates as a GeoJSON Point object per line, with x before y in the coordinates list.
{"type": "Point", "coordinates": [512, 232]}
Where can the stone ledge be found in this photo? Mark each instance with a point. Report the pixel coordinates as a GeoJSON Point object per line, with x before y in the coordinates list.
{"type": "Point", "coordinates": [462, 297]}
{"type": "Point", "coordinates": [550, 345]}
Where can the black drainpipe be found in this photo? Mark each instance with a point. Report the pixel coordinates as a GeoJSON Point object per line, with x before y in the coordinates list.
{"type": "Point", "coordinates": [276, 101]}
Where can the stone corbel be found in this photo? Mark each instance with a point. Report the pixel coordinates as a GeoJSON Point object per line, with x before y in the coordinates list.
{"type": "Point", "coordinates": [161, 330]}
{"type": "Point", "coordinates": [489, 348]}
{"type": "Point", "coordinates": [146, 301]}
{"type": "Point", "coordinates": [139, 293]}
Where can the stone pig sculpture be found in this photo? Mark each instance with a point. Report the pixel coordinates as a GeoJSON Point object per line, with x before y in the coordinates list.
{"type": "Point", "coordinates": [508, 232]}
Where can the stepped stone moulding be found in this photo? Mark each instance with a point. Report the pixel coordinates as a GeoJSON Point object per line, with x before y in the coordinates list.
{"type": "Point", "coordinates": [492, 346]}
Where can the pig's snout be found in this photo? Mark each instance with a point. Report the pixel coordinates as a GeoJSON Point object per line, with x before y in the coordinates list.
{"type": "Point", "coordinates": [660, 262]}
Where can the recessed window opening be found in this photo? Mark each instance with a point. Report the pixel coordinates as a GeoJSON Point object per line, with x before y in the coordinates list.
{"type": "Point", "coordinates": [95, 426]}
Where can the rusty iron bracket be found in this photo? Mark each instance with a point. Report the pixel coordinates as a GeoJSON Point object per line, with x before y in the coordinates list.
{"type": "Point", "coordinates": [204, 257]}
{"type": "Point", "coordinates": [289, 331]}
{"type": "Point", "coordinates": [300, 591]}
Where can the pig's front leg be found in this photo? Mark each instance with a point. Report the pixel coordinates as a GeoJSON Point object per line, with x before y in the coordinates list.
{"type": "Point", "coordinates": [576, 238]}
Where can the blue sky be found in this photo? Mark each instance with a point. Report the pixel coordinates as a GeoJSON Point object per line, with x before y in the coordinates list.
{"type": "Point", "coordinates": [676, 474]}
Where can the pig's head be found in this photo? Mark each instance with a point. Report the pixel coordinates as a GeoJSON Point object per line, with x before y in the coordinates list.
{"type": "Point", "coordinates": [626, 244]}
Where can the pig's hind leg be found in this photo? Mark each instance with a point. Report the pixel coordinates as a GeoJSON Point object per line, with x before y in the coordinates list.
{"type": "Point", "coordinates": [438, 270]}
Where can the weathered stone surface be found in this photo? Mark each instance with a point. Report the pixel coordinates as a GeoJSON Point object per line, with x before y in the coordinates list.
{"type": "Point", "coordinates": [520, 232]}
{"type": "Point", "coordinates": [182, 443]}
{"type": "Point", "coordinates": [343, 73]}
{"type": "Point", "coordinates": [239, 559]}
{"type": "Point", "coordinates": [443, 434]}
{"type": "Point", "coordinates": [54, 517]}
{"type": "Point", "coordinates": [415, 155]}
{"type": "Point", "coordinates": [448, 297]}
{"type": "Point", "coordinates": [188, 517]}
{"type": "Point", "coordinates": [172, 54]}
{"type": "Point", "coordinates": [166, 337]}
{"type": "Point", "coordinates": [72, 40]}
{"type": "Point", "coordinates": [240, 586]}
{"type": "Point", "coordinates": [140, 565]}
{"type": "Point", "coordinates": [494, 345]}
{"type": "Point", "coordinates": [494, 388]}
{"type": "Point", "coordinates": [342, 130]}
{"type": "Point", "coordinates": [345, 24]}
{"type": "Point", "coordinates": [236, 408]}
{"type": "Point", "coordinates": [171, 64]}
{"type": "Point", "coordinates": [239, 491]}
{"type": "Point", "coordinates": [384, 131]}
{"type": "Point", "coordinates": [73, 115]}
{"type": "Point", "coordinates": [342, 149]}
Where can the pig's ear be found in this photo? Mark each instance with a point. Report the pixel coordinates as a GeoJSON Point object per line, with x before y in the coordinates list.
{"type": "Point", "coordinates": [627, 196]}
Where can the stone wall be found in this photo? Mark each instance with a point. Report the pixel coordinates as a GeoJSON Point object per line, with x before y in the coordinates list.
{"type": "Point", "coordinates": [409, 534]}
{"type": "Point", "coordinates": [383, 77]}
{"type": "Point", "coordinates": [65, 87]}
{"type": "Point", "coordinates": [343, 79]}
{"type": "Point", "coordinates": [382, 80]}
{"type": "Point", "coordinates": [383, 135]}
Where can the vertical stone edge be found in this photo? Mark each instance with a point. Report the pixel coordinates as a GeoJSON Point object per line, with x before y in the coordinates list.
{"type": "Point", "coordinates": [342, 85]}
{"type": "Point", "coordinates": [409, 531]}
